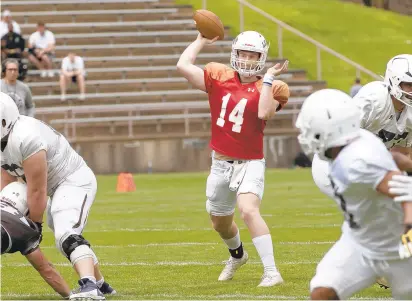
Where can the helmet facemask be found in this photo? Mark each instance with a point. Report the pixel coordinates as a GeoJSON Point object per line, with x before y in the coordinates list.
{"type": "Point", "coordinates": [251, 41]}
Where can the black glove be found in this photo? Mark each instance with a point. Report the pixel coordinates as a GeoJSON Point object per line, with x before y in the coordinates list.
{"type": "Point", "coordinates": [39, 227]}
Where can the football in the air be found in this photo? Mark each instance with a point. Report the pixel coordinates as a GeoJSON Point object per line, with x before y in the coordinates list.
{"type": "Point", "coordinates": [208, 24]}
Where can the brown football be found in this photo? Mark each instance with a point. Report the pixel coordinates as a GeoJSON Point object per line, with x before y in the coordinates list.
{"type": "Point", "coordinates": [208, 24]}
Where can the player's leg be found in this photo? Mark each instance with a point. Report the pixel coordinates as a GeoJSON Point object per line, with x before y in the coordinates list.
{"type": "Point", "coordinates": [220, 205]}
{"type": "Point", "coordinates": [341, 273]}
{"type": "Point", "coordinates": [70, 207]}
{"type": "Point", "coordinates": [249, 198]}
{"type": "Point", "coordinates": [399, 275]}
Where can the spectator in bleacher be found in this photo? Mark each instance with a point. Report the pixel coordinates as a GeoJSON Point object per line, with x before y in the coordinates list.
{"type": "Point", "coordinates": [16, 89]}
{"type": "Point", "coordinates": [5, 20]}
{"type": "Point", "coordinates": [41, 49]}
{"type": "Point", "coordinates": [72, 70]}
{"type": "Point", "coordinates": [355, 88]}
{"type": "Point", "coordinates": [12, 46]}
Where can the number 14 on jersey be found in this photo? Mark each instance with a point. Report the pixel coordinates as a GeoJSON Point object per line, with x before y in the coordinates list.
{"type": "Point", "coordinates": [236, 116]}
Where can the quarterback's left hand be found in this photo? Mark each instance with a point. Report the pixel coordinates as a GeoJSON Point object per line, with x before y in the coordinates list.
{"type": "Point", "coordinates": [405, 248]}
{"type": "Point", "coordinates": [401, 187]}
{"type": "Point", "coordinates": [278, 69]}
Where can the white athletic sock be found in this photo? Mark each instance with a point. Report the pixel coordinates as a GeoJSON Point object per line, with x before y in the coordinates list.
{"type": "Point", "coordinates": [100, 282]}
{"type": "Point", "coordinates": [91, 278]}
{"type": "Point", "coordinates": [264, 247]}
{"type": "Point", "coordinates": [234, 242]}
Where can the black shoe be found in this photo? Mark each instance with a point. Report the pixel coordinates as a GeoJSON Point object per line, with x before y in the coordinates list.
{"type": "Point", "coordinates": [88, 291]}
{"type": "Point", "coordinates": [107, 289]}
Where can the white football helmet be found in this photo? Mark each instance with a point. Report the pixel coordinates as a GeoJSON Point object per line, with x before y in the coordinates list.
{"type": "Point", "coordinates": [9, 113]}
{"type": "Point", "coordinates": [328, 118]}
{"type": "Point", "coordinates": [249, 41]}
{"type": "Point", "coordinates": [398, 70]}
{"type": "Point", "coordinates": [15, 194]}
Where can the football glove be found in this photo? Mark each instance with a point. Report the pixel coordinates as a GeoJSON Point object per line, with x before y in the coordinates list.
{"type": "Point", "coordinates": [405, 248]}
{"type": "Point", "coordinates": [401, 187]}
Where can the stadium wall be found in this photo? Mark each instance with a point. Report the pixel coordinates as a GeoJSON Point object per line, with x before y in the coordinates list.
{"type": "Point", "coordinates": [178, 155]}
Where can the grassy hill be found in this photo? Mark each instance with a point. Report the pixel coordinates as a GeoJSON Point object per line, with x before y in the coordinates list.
{"type": "Point", "coordinates": [366, 35]}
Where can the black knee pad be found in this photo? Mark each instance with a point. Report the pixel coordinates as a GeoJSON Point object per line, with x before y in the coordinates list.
{"type": "Point", "coordinates": [72, 242]}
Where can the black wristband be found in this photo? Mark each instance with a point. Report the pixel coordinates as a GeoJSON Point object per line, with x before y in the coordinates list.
{"type": "Point", "coordinates": [408, 227]}
{"type": "Point", "coordinates": [39, 226]}
{"type": "Point", "coordinates": [409, 173]}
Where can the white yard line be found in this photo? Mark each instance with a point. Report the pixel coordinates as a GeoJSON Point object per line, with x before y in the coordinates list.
{"type": "Point", "coordinates": [185, 244]}
{"type": "Point", "coordinates": [161, 263]}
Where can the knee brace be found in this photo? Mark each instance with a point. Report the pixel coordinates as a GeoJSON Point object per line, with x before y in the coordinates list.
{"type": "Point", "coordinates": [76, 247]}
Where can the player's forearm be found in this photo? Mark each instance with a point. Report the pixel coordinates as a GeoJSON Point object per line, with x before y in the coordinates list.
{"type": "Point", "coordinates": [267, 105]}
{"type": "Point", "coordinates": [35, 170]}
{"type": "Point", "coordinates": [48, 273]}
{"type": "Point", "coordinates": [188, 56]}
{"type": "Point", "coordinates": [403, 161]}
{"type": "Point", "coordinates": [37, 201]}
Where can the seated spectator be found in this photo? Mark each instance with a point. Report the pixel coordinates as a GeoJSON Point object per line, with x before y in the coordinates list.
{"type": "Point", "coordinates": [12, 44]}
{"type": "Point", "coordinates": [355, 88]}
{"type": "Point", "coordinates": [16, 89]}
{"type": "Point", "coordinates": [72, 70]}
{"type": "Point", "coordinates": [5, 20]}
{"type": "Point", "coordinates": [41, 49]}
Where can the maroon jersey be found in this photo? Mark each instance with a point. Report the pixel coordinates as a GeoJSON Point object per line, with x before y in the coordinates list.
{"type": "Point", "coordinates": [236, 129]}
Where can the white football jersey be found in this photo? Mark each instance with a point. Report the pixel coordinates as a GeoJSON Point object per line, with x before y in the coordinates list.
{"type": "Point", "coordinates": [379, 115]}
{"type": "Point", "coordinates": [375, 220]}
{"type": "Point", "coordinates": [30, 136]}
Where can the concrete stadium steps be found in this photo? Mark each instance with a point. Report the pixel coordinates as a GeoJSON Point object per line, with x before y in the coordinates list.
{"type": "Point", "coordinates": [98, 27]}
{"type": "Point", "coordinates": [22, 5]}
{"type": "Point", "coordinates": [146, 61]}
{"type": "Point", "coordinates": [143, 109]}
{"type": "Point", "coordinates": [155, 84]}
{"type": "Point", "coordinates": [106, 96]}
{"type": "Point", "coordinates": [167, 36]}
{"type": "Point", "coordinates": [131, 48]}
{"type": "Point", "coordinates": [115, 15]}
{"type": "Point", "coordinates": [138, 49]}
{"type": "Point", "coordinates": [146, 128]}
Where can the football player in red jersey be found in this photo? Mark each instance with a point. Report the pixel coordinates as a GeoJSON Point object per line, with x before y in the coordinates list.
{"type": "Point", "coordinates": [240, 103]}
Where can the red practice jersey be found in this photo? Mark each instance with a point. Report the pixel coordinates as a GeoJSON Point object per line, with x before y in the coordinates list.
{"type": "Point", "coordinates": [237, 131]}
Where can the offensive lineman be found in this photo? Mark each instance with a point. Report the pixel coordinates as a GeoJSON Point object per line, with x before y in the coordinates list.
{"type": "Point", "coordinates": [34, 152]}
{"type": "Point", "coordinates": [374, 196]}
{"type": "Point", "coordinates": [20, 234]}
{"type": "Point", "coordinates": [385, 111]}
{"type": "Point", "coordinates": [240, 103]}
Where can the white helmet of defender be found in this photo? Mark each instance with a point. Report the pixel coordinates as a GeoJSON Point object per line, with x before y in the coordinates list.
{"type": "Point", "coordinates": [9, 113]}
{"type": "Point", "coordinates": [399, 70]}
{"type": "Point", "coordinates": [249, 41]}
{"type": "Point", "coordinates": [15, 194]}
{"type": "Point", "coordinates": [328, 118]}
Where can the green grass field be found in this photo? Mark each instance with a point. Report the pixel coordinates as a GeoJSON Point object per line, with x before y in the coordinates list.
{"type": "Point", "coordinates": [157, 243]}
{"type": "Point", "coordinates": [368, 36]}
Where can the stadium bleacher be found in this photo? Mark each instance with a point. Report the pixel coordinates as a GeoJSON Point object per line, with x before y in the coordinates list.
{"type": "Point", "coordinates": [130, 56]}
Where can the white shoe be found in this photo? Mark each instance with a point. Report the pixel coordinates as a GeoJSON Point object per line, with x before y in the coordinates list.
{"type": "Point", "coordinates": [63, 97]}
{"type": "Point", "coordinates": [43, 73]}
{"type": "Point", "coordinates": [271, 279]}
{"type": "Point", "coordinates": [231, 267]}
{"type": "Point", "coordinates": [50, 73]}
{"type": "Point", "coordinates": [82, 97]}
